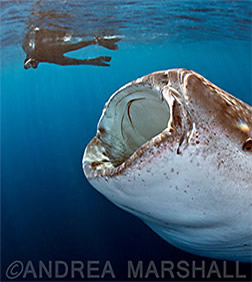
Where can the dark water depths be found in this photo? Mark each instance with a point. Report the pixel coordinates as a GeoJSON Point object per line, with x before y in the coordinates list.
{"type": "Point", "coordinates": [48, 115]}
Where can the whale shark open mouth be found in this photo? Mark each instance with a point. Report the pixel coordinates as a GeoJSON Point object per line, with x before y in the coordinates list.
{"type": "Point", "coordinates": [133, 116]}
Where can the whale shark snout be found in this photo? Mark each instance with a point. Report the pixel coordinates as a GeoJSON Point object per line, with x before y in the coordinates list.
{"type": "Point", "coordinates": [176, 151]}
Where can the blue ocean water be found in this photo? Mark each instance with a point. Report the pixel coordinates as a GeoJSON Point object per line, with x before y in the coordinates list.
{"type": "Point", "coordinates": [48, 209]}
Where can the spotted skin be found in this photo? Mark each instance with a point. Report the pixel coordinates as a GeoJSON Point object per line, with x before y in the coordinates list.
{"type": "Point", "coordinates": [192, 183]}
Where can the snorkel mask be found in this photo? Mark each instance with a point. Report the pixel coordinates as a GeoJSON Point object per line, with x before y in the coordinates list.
{"type": "Point", "coordinates": [30, 62]}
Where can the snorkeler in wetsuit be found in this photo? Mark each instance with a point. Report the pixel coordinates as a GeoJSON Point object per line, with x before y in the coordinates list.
{"type": "Point", "coordinates": [44, 45]}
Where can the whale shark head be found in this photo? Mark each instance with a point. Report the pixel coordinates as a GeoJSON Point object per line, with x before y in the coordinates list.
{"type": "Point", "coordinates": [176, 150]}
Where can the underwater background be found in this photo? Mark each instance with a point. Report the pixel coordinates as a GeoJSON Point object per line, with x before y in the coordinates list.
{"type": "Point", "coordinates": [49, 211]}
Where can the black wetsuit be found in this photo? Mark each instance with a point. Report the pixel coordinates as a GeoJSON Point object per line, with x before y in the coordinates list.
{"type": "Point", "coordinates": [43, 45]}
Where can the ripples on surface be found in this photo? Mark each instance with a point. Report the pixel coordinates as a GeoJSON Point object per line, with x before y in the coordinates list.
{"type": "Point", "coordinates": [140, 21]}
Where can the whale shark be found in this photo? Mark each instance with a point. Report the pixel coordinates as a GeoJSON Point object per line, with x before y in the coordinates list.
{"type": "Point", "coordinates": [175, 150]}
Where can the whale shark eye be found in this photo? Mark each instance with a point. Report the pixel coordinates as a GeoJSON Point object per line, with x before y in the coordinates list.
{"type": "Point", "coordinates": [247, 146]}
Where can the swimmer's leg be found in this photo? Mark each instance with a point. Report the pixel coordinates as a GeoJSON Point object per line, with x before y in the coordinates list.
{"type": "Point", "coordinates": [98, 61]}
{"type": "Point", "coordinates": [109, 43]}
{"type": "Point", "coordinates": [77, 46]}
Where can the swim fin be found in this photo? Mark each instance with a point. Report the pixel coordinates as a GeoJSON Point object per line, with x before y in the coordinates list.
{"type": "Point", "coordinates": [108, 43]}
